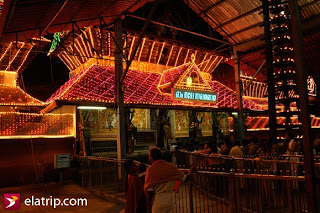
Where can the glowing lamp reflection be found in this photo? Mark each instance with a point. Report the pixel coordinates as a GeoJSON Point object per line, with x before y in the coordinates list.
{"type": "Point", "coordinates": [189, 81]}
{"type": "Point", "coordinates": [91, 107]}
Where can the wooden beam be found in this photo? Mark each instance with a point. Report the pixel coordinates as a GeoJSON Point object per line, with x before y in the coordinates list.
{"type": "Point", "coordinates": [177, 57]}
{"type": "Point", "coordinates": [310, 23]}
{"type": "Point", "coordinates": [301, 77]}
{"type": "Point", "coordinates": [257, 41]}
{"type": "Point", "coordinates": [202, 13]}
{"type": "Point", "coordinates": [150, 55]}
{"type": "Point", "coordinates": [238, 17]}
{"type": "Point", "coordinates": [246, 29]}
{"type": "Point", "coordinates": [169, 55]}
{"type": "Point", "coordinates": [309, 4]}
{"type": "Point", "coordinates": [54, 17]}
{"type": "Point", "coordinates": [143, 31]}
{"type": "Point", "coordinates": [183, 30]}
{"type": "Point", "coordinates": [49, 107]}
{"type": "Point", "coordinates": [241, 128]}
{"type": "Point", "coordinates": [160, 53]}
{"type": "Point", "coordinates": [253, 11]}
{"type": "Point", "coordinates": [212, 20]}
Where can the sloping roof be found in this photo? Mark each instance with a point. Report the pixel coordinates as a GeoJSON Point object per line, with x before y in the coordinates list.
{"type": "Point", "coordinates": [177, 77]}
{"type": "Point", "coordinates": [239, 21]}
{"type": "Point", "coordinates": [262, 122]}
{"type": "Point", "coordinates": [96, 84]}
{"type": "Point", "coordinates": [170, 75]}
{"type": "Point", "coordinates": [251, 61]}
{"type": "Point", "coordinates": [30, 16]}
{"type": "Point", "coordinates": [15, 96]}
{"type": "Point", "coordinates": [14, 56]}
{"type": "Point", "coordinates": [155, 50]}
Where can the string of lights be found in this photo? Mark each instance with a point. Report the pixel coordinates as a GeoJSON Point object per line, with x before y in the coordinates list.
{"type": "Point", "coordinates": [22, 125]}
{"type": "Point", "coordinates": [259, 123]}
{"type": "Point", "coordinates": [283, 63]}
{"type": "Point", "coordinates": [96, 84]}
{"type": "Point", "coordinates": [15, 96]}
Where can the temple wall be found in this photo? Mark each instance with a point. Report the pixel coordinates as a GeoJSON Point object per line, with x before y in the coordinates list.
{"type": "Point", "coordinates": [181, 123]}
{"type": "Point", "coordinates": [206, 124]}
{"type": "Point", "coordinates": [65, 109]}
{"type": "Point", "coordinates": [141, 118]}
{"type": "Point", "coordinates": [8, 78]}
{"type": "Point", "coordinates": [16, 161]}
{"type": "Point", "coordinates": [6, 109]}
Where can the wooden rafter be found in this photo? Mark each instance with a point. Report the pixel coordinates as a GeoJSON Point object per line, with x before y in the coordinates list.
{"type": "Point", "coordinates": [202, 13]}
{"type": "Point", "coordinates": [150, 55]}
{"type": "Point", "coordinates": [175, 63]}
{"type": "Point", "coordinates": [238, 17]}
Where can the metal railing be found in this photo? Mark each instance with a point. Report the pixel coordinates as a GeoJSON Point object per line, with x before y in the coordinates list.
{"type": "Point", "coordinates": [211, 189]}
{"type": "Point", "coordinates": [273, 165]}
{"type": "Point", "coordinates": [102, 174]}
{"type": "Point", "coordinates": [233, 192]}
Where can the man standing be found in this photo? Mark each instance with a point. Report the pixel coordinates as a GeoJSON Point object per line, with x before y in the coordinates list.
{"type": "Point", "coordinates": [162, 180]}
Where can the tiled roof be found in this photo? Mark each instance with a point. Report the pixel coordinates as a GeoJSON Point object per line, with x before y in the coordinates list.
{"type": "Point", "coordinates": [14, 96]}
{"type": "Point", "coordinates": [171, 74]}
{"type": "Point", "coordinates": [96, 84]}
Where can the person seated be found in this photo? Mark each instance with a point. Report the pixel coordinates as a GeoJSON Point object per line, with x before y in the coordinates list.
{"type": "Point", "coordinates": [236, 150]}
{"type": "Point", "coordinates": [253, 146]}
{"type": "Point", "coordinates": [214, 157]}
{"type": "Point", "coordinates": [226, 147]}
{"type": "Point", "coordinates": [316, 145]}
{"type": "Point", "coordinates": [293, 145]}
{"type": "Point", "coordinates": [205, 151]}
{"type": "Point", "coordinates": [244, 146]}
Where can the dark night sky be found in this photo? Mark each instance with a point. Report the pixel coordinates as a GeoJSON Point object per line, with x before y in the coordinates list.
{"type": "Point", "coordinates": [37, 76]}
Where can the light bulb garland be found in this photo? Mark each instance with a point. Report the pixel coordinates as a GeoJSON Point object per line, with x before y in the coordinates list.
{"type": "Point", "coordinates": [96, 84]}
{"type": "Point", "coordinates": [26, 125]}
{"type": "Point", "coordinates": [283, 61]}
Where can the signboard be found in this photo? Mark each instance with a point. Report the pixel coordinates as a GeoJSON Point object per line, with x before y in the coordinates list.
{"type": "Point", "coordinates": [193, 95]}
{"type": "Point", "coordinates": [57, 36]}
{"type": "Point", "coordinates": [62, 161]}
{"type": "Point", "coordinates": [146, 137]}
{"type": "Point", "coordinates": [312, 87]}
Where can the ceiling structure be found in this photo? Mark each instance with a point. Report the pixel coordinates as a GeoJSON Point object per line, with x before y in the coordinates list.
{"type": "Point", "coordinates": [236, 20]}
{"type": "Point", "coordinates": [25, 24]}
{"type": "Point", "coordinates": [29, 18]}
{"type": "Point", "coordinates": [157, 54]}
{"type": "Point", "coordinates": [240, 23]}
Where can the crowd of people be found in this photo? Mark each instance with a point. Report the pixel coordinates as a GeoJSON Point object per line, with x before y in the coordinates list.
{"type": "Point", "coordinates": [255, 147]}
{"type": "Point", "coordinates": [152, 189]}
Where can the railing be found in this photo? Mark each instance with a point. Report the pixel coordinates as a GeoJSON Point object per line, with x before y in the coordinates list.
{"type": "Point", "coordinates": [271, 165]}
{"type": "Point", "coordinates": [211, 189]}
{"type": "Point", "coordinates": [234, 192]}
{"type": "Point", "coordinates": [103, 174]}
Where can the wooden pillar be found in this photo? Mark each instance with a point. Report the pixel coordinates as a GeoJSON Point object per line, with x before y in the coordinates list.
{"type": "Point", "coordinates": [238, 91]}
{"type": "Point", "coordinates": [121, 134]}
{"type": "Point", "coordinates": [270, 77]}
{"type": "Point", "coordinates": [304, 106]}
{"type": "Point", "coordinates": [192, 129]}
{"type": "Point", "coordinates": [160, 128]}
